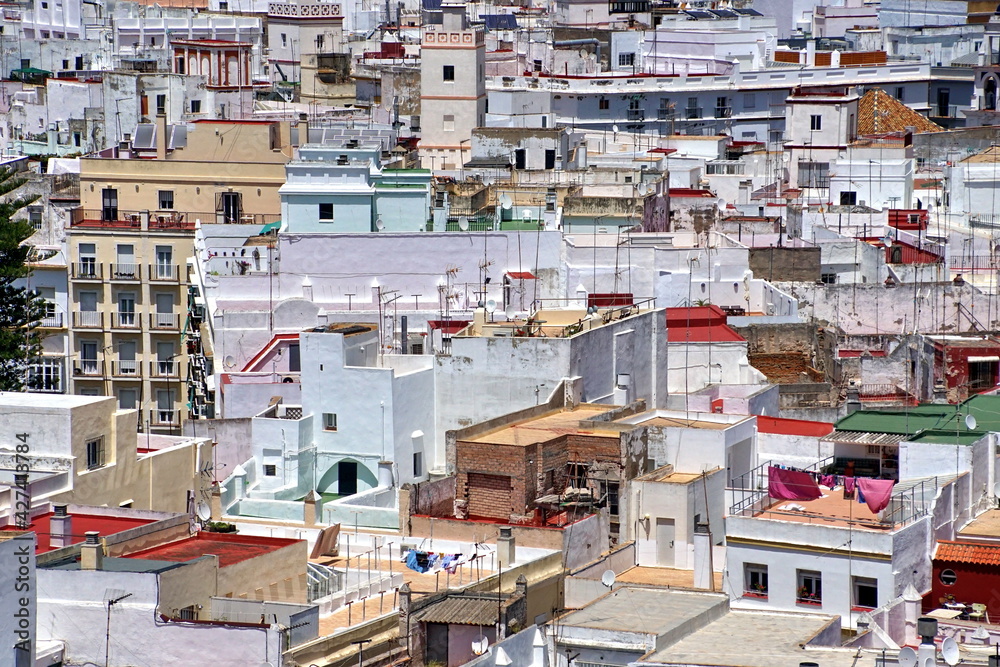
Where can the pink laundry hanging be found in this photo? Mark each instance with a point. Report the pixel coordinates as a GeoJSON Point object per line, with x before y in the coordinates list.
{"type": "Point", "coordinates": [848, 485]}
{"type": "Point", "coordinates": [791, 485]}
{"type": "Point", "coordinates": [877, 492]}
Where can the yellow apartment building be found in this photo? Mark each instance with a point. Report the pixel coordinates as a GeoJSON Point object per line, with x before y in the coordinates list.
{"type": "Point", "coordinates": [129, 242]}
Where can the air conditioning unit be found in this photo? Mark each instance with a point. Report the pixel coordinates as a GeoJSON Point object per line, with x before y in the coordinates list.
{"type": "Point", "coordinates": [289, 379]}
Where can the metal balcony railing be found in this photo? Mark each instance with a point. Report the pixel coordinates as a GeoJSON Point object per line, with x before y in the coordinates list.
{"type": "Point", "coordinates": [88, 269]}
{"type": "Point", "coordinates": [126, 368]}
{"type": "Point", "coordinates": [164, 369]}
{"type": "Point", "coordinates": [163, 273]}
{"type": "Point", "coordinates": [636, 114]}
{"type": "Point", "coordinates": [164, 417]}
{"type": "Point", "coordinates": [53, 321]}
{"type": "Point", "coordinates": [692, 112]}
{"type": "Point", "coordinates": [168, 321]}
{"type": "Point", "coordinates": [88, 319]}
{"type": "Point", "coordinates": [124, 272]}
{"type": "Point", "coordinates": [88, 368]}
{"type": "Point", "coordinates": [723, 112]}
{"type": "Point", "coordinates": [125, 320]}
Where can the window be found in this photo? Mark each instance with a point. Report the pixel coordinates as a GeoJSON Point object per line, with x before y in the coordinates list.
{"type": "Point", "coordinates": [77, 139]}
{"type": "Point", "coordinates": [626, 59]}
{"type": "Point", "coordinates": [810, 587]}
{"type": "Point", "coordinates": [166, 200]}
{"type": "Point", "coordinates": [65, 64]}
{"type": "Point", "coordinates": [755, 580]}
{"type": "Point", "coordinates": [815, 122]}
{"type": "Point", "coordinates": [448, 72]}
{"type": "Point", "coordinates": [78, 62]}
{"type": "Point", "coordinates": [418, 464]}
{"type": "Point", "coordinates": [865, 592]}
{"type": "Point", "coordinates": [195, 106]}
{"type": "Point", "coordinates": [284, 40]}
{"type": "Point", "coordinates": [326, 212]}
{"type": "Point", "coordinates": [448, 123]}
{"type": "Point", "coordinates": [899, 93]}
{"type": "Point", "coordinates": [603, 103]}
{"type": "Point", "coordinates": [828, 278]}
{"type": "Point", "coordinates": [848, 198]}
{"type": "Point", "coordinates": [161, 105]}
{"type": "Point", "coordinates": [329, 421]}
{"type": "Point", "coordinates": [948, 577]}
{"type": "Point", "coordinates": [95, 453]}
{"type": "Point", "coordinates": [814, 174]}
{"type": "Point", "coordinates": [319, 42]}
{"type": "Point", "coordinates": [35, 217]}
{"type": "Point", "coordinates": [270, 470]}
{"type": "Point", "coordinates": [609, 492]}
{"type": "Point", "coordinates": [46, 376]}
{"type": "Point", "coordinates": [749, 101]}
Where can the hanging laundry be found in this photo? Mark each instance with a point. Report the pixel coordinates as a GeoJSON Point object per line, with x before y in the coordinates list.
{"type": "Point", "coordinates": [417, 561]}
{"type": "Point", "coordinates": [791, 485]}
{"type": "Point", "coordinates": [829, 481]}
{"type": "Point", "coordinates": [877, 492]}
{"type": "Point", "coordinates": [861, 494]}
{"type": "Point", "coordinates": [848, 485]}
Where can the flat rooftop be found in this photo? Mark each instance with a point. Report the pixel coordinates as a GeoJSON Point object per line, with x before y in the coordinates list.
{"type": "Point", "coordinates": [80, 526]}
{"type": "Point", "coordinates": [19, 399]}
{"type": "Point", "coordinates": [231, 548]}
{"type": "Point", "coordinates": [680, 419]}
{"type": "Point", "coordinates": [546, 427]}
{"type": "Point", "coordinates": [667, 475]}
{"type": "Point", "coordinates": [765, 639]}
{"type": "Point", "coordinates": [986, 525]}
{"type": "Point", "coordinates": [649, 610]}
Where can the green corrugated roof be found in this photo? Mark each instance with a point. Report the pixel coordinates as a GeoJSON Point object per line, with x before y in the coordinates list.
{"type": "Point", "coordinates": [945, 437]}
{"type": "Point", "coordinates": [903, 422]}
{"type": "Point", "coordinates": [986, 410]}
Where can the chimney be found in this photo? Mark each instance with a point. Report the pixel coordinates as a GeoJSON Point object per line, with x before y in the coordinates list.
{"type": "Point", "coordinates": [702, 540]}
{"type": "Point", "coordinates": [92, 552]}
{"type": "Point", "coordinates": [927, 628]}
{"type": "Point", "coordinates": [309, 503]}
{"type": "Point", "coordinates": [506, 548]}
{"type": "Point", "coordinates": [161, 136]}
{"type": "Point", "coordinates": [303, 132]}
{"type": "Point", "coordinates": [60, 527]}
{"type": "Point", "coordinates": [385, 474]}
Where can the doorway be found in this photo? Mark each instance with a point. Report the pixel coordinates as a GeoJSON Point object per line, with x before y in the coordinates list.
{"type": "Point", "coordinates": [347, 478]}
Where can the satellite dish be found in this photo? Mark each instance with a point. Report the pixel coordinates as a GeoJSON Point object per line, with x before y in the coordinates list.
{"type": "Point", "coordinates": [614, 128]}
{"type": "Point", "coordinates": [907, 657]}
{"type": "Point", "coordinates": [510, 312]}
{"type": "Point", "coordinates": [970, 422]}
{"type": "Point", "coordinates": [480, 644]}
{"type": "Point", "coordinates": [996, 489]}
{"type": "Point", "coordinates": [887, 241]}
{"type": "Point", "coordinates": [379, 225]}
{"type": "Point", "coordinates": [488, 181]}
{"type": "Point", "coordinates": [584, 54]}
{"type": "Point", "coordinates": [463, 223]}
{"type": "Point", "coordinates": [949, 651]}
{"type": "Point", "coordinates": [491, 305]}
{"type": "Point", "coordinates": [608, 578]}
{"type": "Point", "coordinates": [506, 202]}
{"type": "Point", "coordinates": [229, 361]}
{"type": "Point", "coordinates": [526, 214]}
{"type": "Point", "coordinates": [204, 511]}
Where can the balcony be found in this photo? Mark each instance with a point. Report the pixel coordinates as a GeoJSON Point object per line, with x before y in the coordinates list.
{"type": "Point", "coordinates": [126, 368]}
{"type": "Point", "coordinates": [636, 114]}
{"type": "Point", "coordinates": [723, 112]}
{"type": "Point", "coordinates": [165, 369]}
{"type": "Point", "coordinates": [125, 320]}
{"type": "Point", "coordinates": [88, 368]}
{"type": "Point", "coordinates": [164, 273]}
{"type": "Point", "coordinates": [115, 218]}
{"type": "Point", "coordinates": [692, 113]}
{"type": "Point", "coordinates": [665, 114]}
{"type": "Point", "coordinates": [51, 321]}
{"type": "Point", "coordinates": [164, 321]}
{"type": "Point", "coordinates": [124, 273]}
{"type": "Point", "coordinates": [88, 319]}
{"type": "Point", "coordinates": [164, 418]}
{"type": "Point", "coordinates": [87, 270]}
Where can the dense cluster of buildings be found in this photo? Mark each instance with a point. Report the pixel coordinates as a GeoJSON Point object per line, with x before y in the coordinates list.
{"type": "Point", "coordinates": [549, 334]}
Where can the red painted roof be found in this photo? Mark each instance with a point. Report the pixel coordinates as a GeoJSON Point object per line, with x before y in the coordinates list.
{"type": "Point", "coordinates": [851, 354]}
{"type": "Point", "coordinates": [278, 338]}
{"type": "Point", "coordinates": [449, 326]}
{"type": "Point", "coordinates": [690, 192]}
{"type": "Point", "coordinates": [699, 324]}
{"type": "Point", "coordinates": [792, 426]}
{"type": "Point", "coordinates": [231, 548]}
{"type": "Point", "coordinates": [521, 275]}
{"type": "Point", "coordinates": [964, 552]}
{"type": "Point", "coordinates": [81, 525]}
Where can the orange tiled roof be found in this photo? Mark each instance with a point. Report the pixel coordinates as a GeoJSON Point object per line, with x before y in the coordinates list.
{"type": "Point", "coordinates": [964, 552]}
{"type": "Point", "coordinates": [881, 113]}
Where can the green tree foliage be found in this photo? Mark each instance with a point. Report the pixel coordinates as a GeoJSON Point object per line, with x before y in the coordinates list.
{"type": "Point", "coordinates": [21, 309]}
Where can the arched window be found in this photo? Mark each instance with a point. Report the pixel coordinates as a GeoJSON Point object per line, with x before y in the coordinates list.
{"type": "Point", "coordinates": [990, 93]}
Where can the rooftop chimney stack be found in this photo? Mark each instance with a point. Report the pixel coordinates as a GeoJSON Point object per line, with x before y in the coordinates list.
{"type": "Point", "coordinates": [927, 651]}
{"type": "Point", "coordinates": [161, 136]}
{"type": "Point", "coordinates": [506, 552]}
{"type": "Point", "coordinates": [60, 527]}
{"type": "Point", "coordinates": [92, 552]}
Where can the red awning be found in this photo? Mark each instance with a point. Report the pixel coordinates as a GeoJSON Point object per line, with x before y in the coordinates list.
{"type": "Point", "coordinates": [521, 275]}
{"type": "Point", "coordinates": [448, 326]}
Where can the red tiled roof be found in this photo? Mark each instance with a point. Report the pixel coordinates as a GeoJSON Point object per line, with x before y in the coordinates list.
{"type": "Point", "coordinates": [699, 324]}
{"type": "Point", "coordinates": [80, 526]}
{"type": "Point", "coordinates": [229, 547]}
{"type": "Point", "coordinates": [965, 552]}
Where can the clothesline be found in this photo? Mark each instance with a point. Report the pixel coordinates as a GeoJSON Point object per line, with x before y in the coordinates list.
{"type": "Point", "coordinates": [787, 483]}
